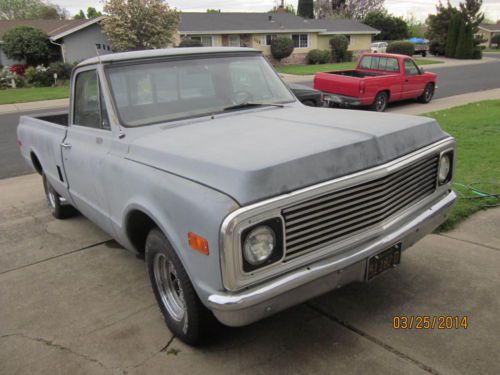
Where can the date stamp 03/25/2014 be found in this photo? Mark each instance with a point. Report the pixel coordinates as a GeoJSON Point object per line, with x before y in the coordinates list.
{"type": "Point", "coordinates": [430, 322]}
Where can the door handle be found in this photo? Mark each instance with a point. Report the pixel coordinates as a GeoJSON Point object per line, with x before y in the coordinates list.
{"type": "Point", "coordinates": [65, 145]}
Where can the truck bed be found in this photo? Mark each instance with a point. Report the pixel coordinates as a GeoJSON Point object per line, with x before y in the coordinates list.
{"type": "Point", "coordinates": [55, 118]}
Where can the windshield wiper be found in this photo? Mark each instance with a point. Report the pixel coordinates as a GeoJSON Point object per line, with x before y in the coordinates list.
{"type": "Point", "coordinates": [252, 104]}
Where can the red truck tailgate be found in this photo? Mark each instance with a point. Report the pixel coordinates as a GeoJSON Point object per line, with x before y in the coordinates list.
{"type": "Point", "coordinates": [337, 84]}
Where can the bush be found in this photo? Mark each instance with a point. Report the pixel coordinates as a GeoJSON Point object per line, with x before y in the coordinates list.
{"type": "Point", "coordinates": [477, 53]}
{"type": "Point", "coordinates": [26, 43]}
{"type": "Point", "coordinates": [190, 43]}
{"type": "Point", "coordinates": [18, 69]}
{"type": "Point", "coordinates": [62, 69]}
{"type": "Point", "coordinates": [402, 48]}
{"type": "Point", "coordinates": [496, 40]}
{"type": "Point", "coordinates": [339, 45]}
{"type": "Point", "coordinates": [39, 76]}
{"type": "Point", "coordinates": [349, 56]}
{"type": "Point", "coordinates": [10, 79]}
{"type": "Point", "coordinates": [317, 56]}
{"type": "Point", "coordinates": [281, 47]}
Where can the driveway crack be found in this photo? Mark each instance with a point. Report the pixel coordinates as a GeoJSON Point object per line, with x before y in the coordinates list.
{"type": "Point", "coordinates": [373, 339]}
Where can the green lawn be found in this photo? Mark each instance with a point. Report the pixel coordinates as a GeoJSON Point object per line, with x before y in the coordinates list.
{"type": "Point", "coordinates": [312, 69]}
{"type": "Point", "coordinates": [476, 128]}
{"type": "Point", "coordinates": [22, 95]}
{"type": "Point", "coordinates": [491, 50]}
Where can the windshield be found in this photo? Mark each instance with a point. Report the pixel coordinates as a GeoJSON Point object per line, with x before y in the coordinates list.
{"type": "Point", "coordinates": [148, 93]}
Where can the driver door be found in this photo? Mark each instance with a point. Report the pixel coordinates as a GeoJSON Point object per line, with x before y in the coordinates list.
{"type": "Point", "coordinates": [414, 81]}
{"type": "Point", "coordinates": [86, 148]}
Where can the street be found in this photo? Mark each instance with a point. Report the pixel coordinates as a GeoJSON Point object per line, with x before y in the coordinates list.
{"type": "Point", "coordinates": [452, 81]}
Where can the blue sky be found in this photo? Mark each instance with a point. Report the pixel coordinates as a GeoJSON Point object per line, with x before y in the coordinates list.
{"type": "Point", "coordinates": [418, 8]}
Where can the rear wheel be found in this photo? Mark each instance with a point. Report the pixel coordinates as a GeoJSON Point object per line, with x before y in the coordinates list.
{"type": "Point", "coordinates": [380, 103]}
{"type": "Point", "coordinates": [57, 206]}
{"type": "Point", "coordinates": [428, 94]}
{"type": "Point", "coordinates": [185, 315]}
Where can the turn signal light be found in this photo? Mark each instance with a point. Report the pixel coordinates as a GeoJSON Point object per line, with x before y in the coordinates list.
{"type": "Point", "coordinates": [198, 243]}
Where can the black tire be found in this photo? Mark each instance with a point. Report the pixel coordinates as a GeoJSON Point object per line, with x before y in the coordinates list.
{"type": "Point", "coordinates": [309, 103]}
{"type": "Point", "coordinates": [428, 94]}
{"type": "Point", "coordinates": [196, 320]}
{"type": "Point", "coordinates": [57, 208]}
{"type": "Point", "coordinates": [380, 102]}
{"type": "Point", "coordinates": [424, 54]}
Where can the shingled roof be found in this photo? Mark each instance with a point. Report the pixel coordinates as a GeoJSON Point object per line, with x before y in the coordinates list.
{"type": "Point", "coordinates": [204, 23]}
{"type": "Point", "coordinates": [54, 28]}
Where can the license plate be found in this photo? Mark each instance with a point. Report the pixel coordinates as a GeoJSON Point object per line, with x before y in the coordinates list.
{"type": "Point", "coordinates": [383, 261]}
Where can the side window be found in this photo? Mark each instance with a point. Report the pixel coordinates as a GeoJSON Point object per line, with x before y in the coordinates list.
{"type": "Point", "coordinates": [366, 62]}
{"type": "Point", "coordinates": [392, 65]}
{"type": "Point", "coordinates": [410, 68]}
{"type": "Point", "coordinates": [89, 108]}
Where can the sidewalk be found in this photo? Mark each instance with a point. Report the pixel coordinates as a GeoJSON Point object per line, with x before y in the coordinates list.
{"type": "Point", "coordinates": [444, 103]}
{"type": "Point", "coordinates": [33, 106]}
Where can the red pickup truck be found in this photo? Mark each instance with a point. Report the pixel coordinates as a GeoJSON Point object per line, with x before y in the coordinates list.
{"type": "Point", "coordinates": [379, 78]}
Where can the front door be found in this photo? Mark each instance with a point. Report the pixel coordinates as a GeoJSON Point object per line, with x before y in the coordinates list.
{"type": "Point", "coordinates": [86, 147]}
{"type": "Point", "coordinates": [414, 81]}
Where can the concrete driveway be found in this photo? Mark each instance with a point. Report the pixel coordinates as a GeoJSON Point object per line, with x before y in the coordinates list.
{"type": "Point", "coordinates": [73, 302]}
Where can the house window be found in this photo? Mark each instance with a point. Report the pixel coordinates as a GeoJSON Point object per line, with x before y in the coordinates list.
{"type": "Point", "coordinates": [300, 40]}
{"type": "Point", "coordinates": [234, 40]}
{"type": "Point", "coordinates": [206, 40]}
{"type": "Point", "coordinates": [267, 39]}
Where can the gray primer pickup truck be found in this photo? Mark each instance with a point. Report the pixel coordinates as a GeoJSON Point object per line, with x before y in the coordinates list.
{"type": "Point", "coordinates": [242, 200]}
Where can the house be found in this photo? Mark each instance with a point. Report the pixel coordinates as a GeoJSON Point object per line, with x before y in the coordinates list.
{"type": "Point", "coordinates": [487, 31]}
{"type": "Point", "coordinates": [77, 39]}
{"type": "Point", "coordinates": [257, 30]}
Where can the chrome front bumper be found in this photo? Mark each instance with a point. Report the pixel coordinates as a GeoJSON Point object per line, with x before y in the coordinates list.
{"type": "Point", "coordinates": [250, 305]}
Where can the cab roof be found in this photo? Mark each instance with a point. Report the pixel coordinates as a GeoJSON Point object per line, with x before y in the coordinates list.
{"type": "Point", "coordinates": [165, 52]}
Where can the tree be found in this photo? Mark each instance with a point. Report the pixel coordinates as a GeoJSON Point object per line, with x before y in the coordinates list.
{"type": "Point", "coordinates": [93, 13]}
{"type": "Point", "coordinates": [471, 12]}
{"type": "Point", "coordinates": [139, 24]}
{"type": "Point", "coordinates": [26, 43]}
{"type": "Point", "coordinates": [80, 15]}
{"type": "Point", "coordinates": [391, 28]}
{"type": "Point", "coordinates": [437, 27]}
{"type": "Point", "coordinates": [465, 44]}
{"type": "Point", "coordinates": [306, 8]}
{"type": "Point", "coordinates": [357, 9]}
{"type": "Point", "coordinates": [415, 27]}
{"type": "Point", "coordinates": [287, 8]}
{"type": "Point", "coordinates": [213, 10]}
{"type": "Point", "coordinates": [339, 45]}
{"type": "Point", "coordinates": [281, 47]}
{"type": "Point", "coordinates": [30, 9]}
{"type": "Point", "coordinates": [452, 37]}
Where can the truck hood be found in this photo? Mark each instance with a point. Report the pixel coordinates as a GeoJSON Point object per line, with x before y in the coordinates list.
{"type": "Point", "coordinates": [256, 154]}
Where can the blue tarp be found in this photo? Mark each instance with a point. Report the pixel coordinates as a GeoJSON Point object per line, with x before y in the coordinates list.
{"type": "Point", "coordinates": [417, 40]}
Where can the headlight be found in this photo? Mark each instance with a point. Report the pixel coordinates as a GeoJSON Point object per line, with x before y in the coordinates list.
{"type": "Point", "coordinates": [444, 168]}
{"type": "Point", "coordinates": [259, 245]}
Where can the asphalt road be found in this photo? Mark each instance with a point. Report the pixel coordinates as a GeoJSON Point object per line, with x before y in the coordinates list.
{"type": "Point", "coordinates": [452, 81]}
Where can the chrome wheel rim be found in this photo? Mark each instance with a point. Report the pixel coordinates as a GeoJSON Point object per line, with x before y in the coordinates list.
{"type": "Point", "coordinates": [51, 198]}
{"type": "Point", "coordinates": [169, 287]}
{"type": "Point", "coordinates": [380, 103]}
{"type": "Point", "coordinates": [428, 94]}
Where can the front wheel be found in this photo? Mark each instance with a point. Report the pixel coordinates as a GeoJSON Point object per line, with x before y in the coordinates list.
{"type": "Point", "coordinates": [428, 94]}
{"type": "Point", "coordinates": [184, 314]}
{"type": "Point", "coordinates": [380, 103]}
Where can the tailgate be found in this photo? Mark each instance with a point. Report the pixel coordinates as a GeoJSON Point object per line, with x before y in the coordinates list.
{"type": "Point", "coordinates": [337, 84]}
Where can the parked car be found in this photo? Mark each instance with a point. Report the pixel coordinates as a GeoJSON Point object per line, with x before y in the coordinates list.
{"type": "Point", "coordinates": [378, 79]}
{"type": "Point", "coordinates": [242, 201]}
{"type": "Point", "coordinates": [379, 47]}
{"type": "Point", "coordinates": [307, 95]}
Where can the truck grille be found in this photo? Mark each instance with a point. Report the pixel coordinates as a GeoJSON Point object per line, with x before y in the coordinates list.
{"type": "Point", "coordinates": [328, 218]}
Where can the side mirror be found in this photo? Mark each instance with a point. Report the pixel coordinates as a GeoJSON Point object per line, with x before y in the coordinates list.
{"type": "Point", "coordinates": [422, 71]}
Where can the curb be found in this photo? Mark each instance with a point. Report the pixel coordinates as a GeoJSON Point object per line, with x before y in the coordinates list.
{"type": "Point", "coordinates": [33, 106]}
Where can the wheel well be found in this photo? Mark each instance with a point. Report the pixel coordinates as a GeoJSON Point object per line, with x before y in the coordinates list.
{"type": "Point", "coordinates": [36, 163]}
{"type": "Point", "coordinates": [388, 92]}
{"type": "Point", "coordinates": [137, 228]}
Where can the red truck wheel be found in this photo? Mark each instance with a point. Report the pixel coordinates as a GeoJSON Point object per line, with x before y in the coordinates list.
{"type": "Point", "coordinates": [380, 102]}
{"type": "Point", "coordinates": [426, 97]}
